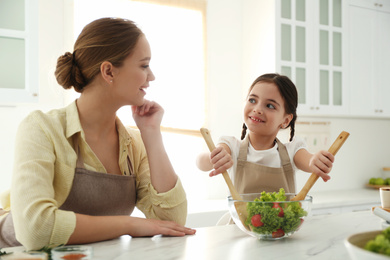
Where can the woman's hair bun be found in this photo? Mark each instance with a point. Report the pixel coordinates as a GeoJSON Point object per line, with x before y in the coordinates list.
{"type": "Point", "coordinates": [68, 73]}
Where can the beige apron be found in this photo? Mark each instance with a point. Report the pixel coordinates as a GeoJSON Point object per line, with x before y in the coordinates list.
{"type": "Point", "coordinates": [254, 178]}
{"type": "Point", "coordinates": [92, 193]}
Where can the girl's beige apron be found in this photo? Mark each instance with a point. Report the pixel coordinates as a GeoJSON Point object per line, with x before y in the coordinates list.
{"type": "Point", "coordinates": [92, 193]}
{"type": "Point", "coordinates": [254, 178]}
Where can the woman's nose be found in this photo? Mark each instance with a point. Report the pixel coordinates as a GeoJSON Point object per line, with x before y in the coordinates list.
{"type": "Point", "coordinates": [151, 76]}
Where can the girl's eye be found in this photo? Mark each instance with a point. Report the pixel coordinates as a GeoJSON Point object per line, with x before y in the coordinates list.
{"type": "Point", "coordinates": [252, 100]}
{"type": "Point", "coordinates": [145, 66]}
{"type": "Point", "coordinates": [271, 106]}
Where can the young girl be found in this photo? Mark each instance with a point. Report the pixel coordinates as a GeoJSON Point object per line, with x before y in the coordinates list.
{"type": "Point", "coordinates": [78, 171]}
{"type": "Point", "coordinates": [260, 161]}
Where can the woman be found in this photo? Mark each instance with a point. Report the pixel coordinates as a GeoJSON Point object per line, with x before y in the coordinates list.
{"type": "Point", "coordinates": [78, 171]}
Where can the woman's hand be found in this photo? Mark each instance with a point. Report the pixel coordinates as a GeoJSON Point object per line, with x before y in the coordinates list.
{"type": "Point", "coordinates": [142, 227]}
{"type": "Point", "coordinates": [148, 116]}
{"type": "Point", "coordinates": [321, 164]}
{"type": "Point", "coordinates": [221, 160]}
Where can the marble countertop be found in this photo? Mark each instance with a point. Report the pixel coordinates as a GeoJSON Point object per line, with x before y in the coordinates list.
{"type": "Point", "coordinates": [321, 199]}
{"type": "Point", "coordinates": [320, 237]}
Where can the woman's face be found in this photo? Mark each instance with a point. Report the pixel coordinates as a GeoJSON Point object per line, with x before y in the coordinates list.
{"type": "Point", "coordinates": [264, 111]}
{"type": "Point", "coordinates": [132, 79]}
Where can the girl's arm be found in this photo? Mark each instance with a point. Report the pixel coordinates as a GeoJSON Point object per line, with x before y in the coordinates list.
{"type": "Point", "coordinates": [319, 163]}
{"type": "Point", "coordinates": [219, 159]}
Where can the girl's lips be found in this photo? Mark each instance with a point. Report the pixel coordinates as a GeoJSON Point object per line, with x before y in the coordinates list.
{"type": "Point", "coordinates": [256, 119]}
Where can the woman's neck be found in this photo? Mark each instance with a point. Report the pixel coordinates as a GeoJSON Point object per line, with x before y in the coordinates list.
{"type": "Point", "coordinates": [97, 115]}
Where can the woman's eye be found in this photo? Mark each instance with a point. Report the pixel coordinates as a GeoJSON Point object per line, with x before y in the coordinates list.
{"type": "Point", "coordinates": [145, 66]}
{"type": "Point", "coordinates": [271, 106]}
{"type": "Point", "coordinates": [252, 100]}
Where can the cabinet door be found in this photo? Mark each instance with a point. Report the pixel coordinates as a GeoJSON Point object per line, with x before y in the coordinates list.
{"type": "Point", "coordinates": [361, 71]}
{"type": "Point", "coordinates": [369, 62]}
{"type": "Point", "coordinates": [312, 55]}
{"type": "Point", "coordinates": [293, 59]}
{"type": "Point", "coordinates": [331, 92]}
{"type": "Point", "coordinates": [382, 61]}
{"type": "Point", "coordinates": [18, 51]}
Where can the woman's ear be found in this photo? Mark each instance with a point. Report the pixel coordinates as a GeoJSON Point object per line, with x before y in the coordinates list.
{"type": "Point", "coordinates": [106, 70]}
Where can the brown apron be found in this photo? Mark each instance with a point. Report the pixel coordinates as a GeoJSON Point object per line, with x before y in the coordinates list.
{"type": "Point", "coordinates": [252, 177]}
{"type": "Point", "coordinates": [92, 193]}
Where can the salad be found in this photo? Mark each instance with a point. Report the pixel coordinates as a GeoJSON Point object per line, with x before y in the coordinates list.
{"type": "Point", "coordinates": [380, 244]}
{"type": "Point", "coordinates": [275, 216]}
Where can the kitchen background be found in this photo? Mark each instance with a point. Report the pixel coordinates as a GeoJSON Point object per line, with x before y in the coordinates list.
{"type": "Point", "coordinates": [246, 38]}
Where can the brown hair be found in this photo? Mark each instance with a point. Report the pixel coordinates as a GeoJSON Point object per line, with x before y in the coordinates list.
{"type": "Point", "coordinates": [289, 94]}
{"type": "Point", "coordinates": [105, 39]}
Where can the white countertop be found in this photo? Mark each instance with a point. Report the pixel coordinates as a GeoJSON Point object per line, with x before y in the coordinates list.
{"type": "Point", "coordinates": [321, 199]}
{"type": "Point", "coordinates": [320, 237]}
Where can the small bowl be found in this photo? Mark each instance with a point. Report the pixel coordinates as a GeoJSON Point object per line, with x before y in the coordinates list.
{"type": "Point", "coordinates": [278, 219]}
{"type": "Point", "coordinates": [72, 252]}
{"type": "Point", "coordinates": [355, 246]}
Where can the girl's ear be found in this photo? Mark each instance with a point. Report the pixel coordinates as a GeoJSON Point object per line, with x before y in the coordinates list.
{"type": "Point", "coordinates": [287, 120]}
{"type": "Point", "coordinates": [106, 70]}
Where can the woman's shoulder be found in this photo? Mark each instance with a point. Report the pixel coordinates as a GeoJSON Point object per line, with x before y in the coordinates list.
{"type": "Point", "coordinates": [50, 118]}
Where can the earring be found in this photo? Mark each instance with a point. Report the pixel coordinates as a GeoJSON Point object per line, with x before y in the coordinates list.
{"type": "Point", "coordinates": [111, 81]}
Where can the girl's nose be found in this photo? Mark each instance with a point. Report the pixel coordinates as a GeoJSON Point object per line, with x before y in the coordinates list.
{"type": "Point", "coordinates": [257, 110]}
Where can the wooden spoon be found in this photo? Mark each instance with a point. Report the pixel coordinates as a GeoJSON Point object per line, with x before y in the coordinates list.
{"type": "Point", "coordinates": [313, 177]}
{"type": "Point", "coordinates": [240, 205]}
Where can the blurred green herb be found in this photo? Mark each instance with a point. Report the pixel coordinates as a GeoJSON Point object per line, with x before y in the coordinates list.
{"type": "Point", "coordinates": [47, 249]}
{"type": "Point", "coordinates": [4, 253]}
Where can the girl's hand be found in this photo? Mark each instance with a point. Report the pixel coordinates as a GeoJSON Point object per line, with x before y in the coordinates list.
{"type": "Point", "coordinates": [142, 227]}
{"type": "Point", "coordinates": [148, 116]}
{"type": "Point", "coordinates": [321, 164]}
{"type": "Point", "coordinates": [221, 160]}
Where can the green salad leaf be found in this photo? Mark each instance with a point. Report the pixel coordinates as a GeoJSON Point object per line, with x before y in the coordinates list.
{"type": "Point", "coordinates": [270, 215]}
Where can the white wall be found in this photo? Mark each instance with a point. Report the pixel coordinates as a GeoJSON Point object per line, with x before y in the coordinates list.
{"type": "Point", "coordinates": [233, 37]}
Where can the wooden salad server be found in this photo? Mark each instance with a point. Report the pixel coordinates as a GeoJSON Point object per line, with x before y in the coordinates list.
{"type": "Point", "coordinates": [239, 204]}
{"type": "Point", "coordinates": [313, 177]}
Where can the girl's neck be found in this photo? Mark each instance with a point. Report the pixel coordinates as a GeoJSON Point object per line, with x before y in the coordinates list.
{"type": "Point", "coordinates": [261, 142]}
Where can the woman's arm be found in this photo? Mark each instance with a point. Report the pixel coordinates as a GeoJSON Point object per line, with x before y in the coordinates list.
{"type": "Point", "coordinates": [319, 163]}
{"type": "Point", "coordinates": [98, 228]}
{"type": "Point", "coordinates": [148, 119]}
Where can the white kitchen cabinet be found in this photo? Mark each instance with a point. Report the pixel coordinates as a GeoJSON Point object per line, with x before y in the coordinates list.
{"type": "Point", "coordinates": [311, 52]}
{"type": "Point", "coordinates": [369, 57]}
{"type": "Point", "coordinates": [18, 51]}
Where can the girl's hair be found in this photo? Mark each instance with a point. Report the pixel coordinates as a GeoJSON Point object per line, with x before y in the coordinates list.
{"type": "Point", "coordinates": [105, 39]}
{"type": "Point", "coordinates": [289, 94]}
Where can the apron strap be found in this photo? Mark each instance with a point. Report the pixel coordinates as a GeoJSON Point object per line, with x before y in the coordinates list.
{"type": "Point", "coordinates": [80, 161]}
{"type": "Point", "coordinates": [243, 153]}
{"type": "Point", "coordinates": [286, 165]}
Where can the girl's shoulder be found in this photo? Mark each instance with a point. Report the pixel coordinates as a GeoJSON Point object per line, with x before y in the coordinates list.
{"type": "Point", "coordinates": [229, 140]}
{"type": "Point", "coordinates": [296, 144]}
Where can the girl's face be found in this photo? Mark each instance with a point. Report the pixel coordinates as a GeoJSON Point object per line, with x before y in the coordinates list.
{"type": "Point", "coordinates": [264, 111]}
{"type": "Point", "coordinates": [132, 78]}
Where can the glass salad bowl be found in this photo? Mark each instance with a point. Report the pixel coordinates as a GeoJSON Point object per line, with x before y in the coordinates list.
{"type": "Point", "coordinates": [269, 216]}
